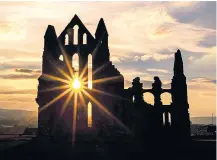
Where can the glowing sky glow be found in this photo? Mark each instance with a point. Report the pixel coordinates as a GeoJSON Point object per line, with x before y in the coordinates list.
{"type": "Point", "coordinates": [142, 39]}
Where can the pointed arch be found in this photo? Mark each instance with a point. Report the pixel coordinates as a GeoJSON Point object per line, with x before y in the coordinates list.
{"type": "Point", "coordinates": [169, 118]}
{"type": "Point", "coordinates": [75, 62]}
{"type": "Point", "coordinates": [164, 119]}
{"type": "Point", "coordinates": [75, 35]}
{"type": "Point", "coordinates": [66, 39]}
{"type": "Point", "coordinates": [89, 115]}
{"type": "Point", "coordinates": [84, 38]}
{"type": "Point", "coordinates": [90, 75]}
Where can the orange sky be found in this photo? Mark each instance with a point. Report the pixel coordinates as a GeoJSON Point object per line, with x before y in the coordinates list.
{"type": "Point", "coordinates": [142, 39]}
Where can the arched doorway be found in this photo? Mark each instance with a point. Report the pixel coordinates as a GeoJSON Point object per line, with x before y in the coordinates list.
{"type": "Point", "coordinates": [75, 36]}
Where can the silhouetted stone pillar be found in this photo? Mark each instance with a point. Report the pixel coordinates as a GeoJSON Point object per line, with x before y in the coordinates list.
{"type": "Point", "coordinates": [157, 90]}
{"type": "Point", "coordinates": [180, 113]}
{"type": "Point", "coordinates": [137, 90]}
{"type": "Point", "coordinates": [157, 113]}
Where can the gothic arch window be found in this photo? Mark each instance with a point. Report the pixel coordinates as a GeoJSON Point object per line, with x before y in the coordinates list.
{"type": "Point", "coordinates": [75, 40]}
{"type": "Point", "coordinates": [89, 114]}
{"type": "Point", "coordinates": [169, 118]}
{"type": "Point", "coordinates": [66, 39]}
{"type": "Point", "coordinates": [75, 62]}
{"type": "Point", "coordinates": [149, 98]}
{"type": "Point", "coordinates": [61, 57]}
{"type": "Point", "coordinates": [84, 38]}
{"type": "Point", "coordinates": [166, 98]}
{"type": "Point", "coordinates": [164, 119]}
{"type": "Point", "coordinates": [90, 75]}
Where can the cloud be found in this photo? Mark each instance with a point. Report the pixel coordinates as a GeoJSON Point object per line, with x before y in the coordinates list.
{"type": "Point", "coordinates": [161, 31]}
{"type": "Point", "coordinates": [136, 58]}
{"type": "Point", "coordinates": [29, 97]}
{"type": "Point", "coordinates": [145, 57]}
{"type": "Point", "coordinates": [203, 80]}
{"type": "Point", "coordinates": [196, 13]}
{"type": "Point", "coordinates": [202, 84]}
{"type": "Point", "coordinates": [23, 91]}
{"type": "Point", "coordinates": [115, 59]}
{"type": "Point", "coordinates": [180, 4]}
{"type": "Point", "coordinates": [191, 58]}
{"type": "Point", "coordinates": [157, 70]}
{"type": "Point", "coordinates": [23, 70]}
{"type": "Point", "coordinates": [138, 43]}
{"type": "Point", "coordinates": [12, 31]}
{"type": "Point", "coordinates": [20, 76]}
{"type": "Point", "coordinates": [156, 57]}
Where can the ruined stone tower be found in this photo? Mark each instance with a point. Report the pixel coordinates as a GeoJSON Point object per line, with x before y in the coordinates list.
{"type": "Point", "coordinates": [64, 112]}
{"type": "Point", "coordinates": [180, 110]}
{"type": "Point", "coordinates": [58, 62]}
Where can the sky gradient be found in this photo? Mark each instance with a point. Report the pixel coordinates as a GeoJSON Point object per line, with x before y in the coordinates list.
{"type": "Point", "coordinates": [143, 36]}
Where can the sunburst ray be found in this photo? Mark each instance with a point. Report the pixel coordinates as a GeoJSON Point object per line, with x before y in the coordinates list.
{"type": "Point", "coordinates": [105, 93]}
{"type": "Point", "coordinates": [54, 78]}
{"type": "Point", "coordinates": [54, 100]}
{"type": "Point", "coordinates": [66, 103]}
{"type": "Point", "coordinates": [101, 80]}
{"type": "Point", "coordinates": [105, 110]}
{"type": "Point", "coordinates": [66, 59]}
{"type": "Point", "coordinates": [81, 76]}
{"type": "Point", "coordinates": [59, 70]}
{"type": "Point", "coordinates": [99, 68]}
{"type": "Point", "coordinates": [55, 88]}
{"type": "Point", "coordinates": [81, 98]}
{"type": "Point", "coordinates": [74, 118]}
{"type": "Point", "coordinates": [63, 73]}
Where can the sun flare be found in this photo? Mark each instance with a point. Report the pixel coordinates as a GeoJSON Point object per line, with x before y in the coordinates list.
{"type": "Point", "coordinates": [76, 84]}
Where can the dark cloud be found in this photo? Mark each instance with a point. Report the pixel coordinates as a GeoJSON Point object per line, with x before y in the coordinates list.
{"type": "Point", "coordinates": [23, 70]}
{"type": "Point", "coordinates": [202, 80]}
{"type": "Point", "coordinates": [209, 41]}
{"type": "Point", "coordinates": [214, 81]}
{"type": "Point", "coordinates": [20, 76]}
{"type": "Point", "coordinates": [27, 91]}
{"type": "Point", "coordinates": [6, 66]}
{"type": "Point", "coordinates": [201, 14]}
{"type": "Point", "coordinates": [201, 83]}
{"type": "Point", "coordinates": [9, 60]}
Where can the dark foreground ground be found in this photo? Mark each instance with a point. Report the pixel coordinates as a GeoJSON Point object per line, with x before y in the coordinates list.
{"type": "Point", "coordinates": [199, 149]}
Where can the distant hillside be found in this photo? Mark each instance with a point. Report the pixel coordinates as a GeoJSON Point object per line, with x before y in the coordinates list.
{"type": "Point", "coordinates": [14, 114]}
{"type": "Point", "coordinates": [23, 117]}
{"type": "Point", "coordinates": [203, 120]}
{"type": "Point", "coordinates": [17, 118]}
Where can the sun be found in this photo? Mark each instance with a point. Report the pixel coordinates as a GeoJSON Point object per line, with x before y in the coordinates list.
{"type": "Point", "coordinates": [76, 84]}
